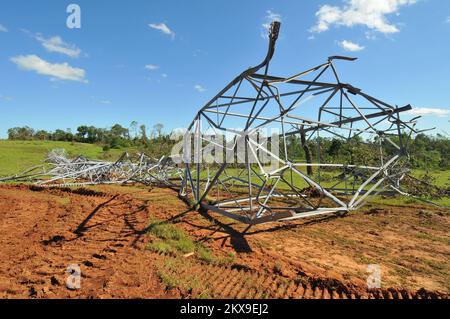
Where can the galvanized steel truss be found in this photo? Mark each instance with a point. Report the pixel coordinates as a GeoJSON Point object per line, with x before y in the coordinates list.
{"type": "Point", "coordinates": [254, 193]}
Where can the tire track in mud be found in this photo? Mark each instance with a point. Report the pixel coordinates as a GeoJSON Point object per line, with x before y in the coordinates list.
{"type": "Point", "coordinates": [233, 282]}
{"type": "Point", "coordinates": [102, 233]}
{"type": "Point", "coordinates": [54, 189]}
{"type": "Point", "coordinates": [109, 236]}
{"type": "Point", "coordinates": [107, 254]}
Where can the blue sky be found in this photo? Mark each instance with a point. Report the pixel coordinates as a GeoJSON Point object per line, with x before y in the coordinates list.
{"type": "Point", "coordinates": [160, 61]}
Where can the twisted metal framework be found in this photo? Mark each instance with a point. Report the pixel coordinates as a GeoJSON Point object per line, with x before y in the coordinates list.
{"type": "Point", "coordinates": [60, 170]}
{"type": "Point", "coordinates": [304, 109]}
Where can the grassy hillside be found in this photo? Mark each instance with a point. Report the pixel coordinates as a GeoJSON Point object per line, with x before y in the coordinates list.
{"type": "Point", "coordinates": [16, 156]}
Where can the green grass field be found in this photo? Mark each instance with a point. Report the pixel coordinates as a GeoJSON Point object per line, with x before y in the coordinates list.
{"type": "Point", "coordinates": [441, 178]}
{"type": "Point", "coordinates": [16, 156]}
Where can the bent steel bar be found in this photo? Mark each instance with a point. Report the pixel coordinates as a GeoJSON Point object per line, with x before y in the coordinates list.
{"type": "Point", "coordinates": [274, 31]}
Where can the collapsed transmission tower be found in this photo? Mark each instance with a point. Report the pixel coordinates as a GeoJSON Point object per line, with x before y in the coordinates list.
{"type": "Point", "coordinates": [61, 171]}
{"type": "Point", "coordinates": [256, 183]}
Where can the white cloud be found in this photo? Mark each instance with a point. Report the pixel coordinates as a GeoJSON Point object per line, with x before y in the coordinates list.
{"type": "Point", "coordinates": [350, 46]}
{"type": "Point", "coordinates": [369, 13]}
{"type": "Point", "coordinates": [163, 28]}
{"type": "Point", "coordinates": [269, 18]}
{"type": "Point", "coordinates": [448, 20]}
{"type": "Point", "coordinates": [105, 102]}
{"type": "Point", "coordinates": [423, 111]}
{"type": "Point", "coordinates": [151, 67]}
{"type": "Point", "coordinates": [3, 28]}
{"type": "Point", "coordinates": [199, 88]}
{"type": "Point", "coordinates": [164, 75]}
{"type": "Point", "coordinates": [56, 44]}
{"type": "Point", "coordinates": [57, 71]}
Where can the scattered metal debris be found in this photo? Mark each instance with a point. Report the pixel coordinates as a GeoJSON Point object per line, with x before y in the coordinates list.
{"type": "Point", "coordinates": [60, 170]}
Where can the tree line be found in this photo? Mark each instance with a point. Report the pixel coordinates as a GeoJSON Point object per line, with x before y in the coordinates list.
{"type": "Point", "coordinates": [153, 141]}
{"type": "Point", "coordinates": [426, 151]}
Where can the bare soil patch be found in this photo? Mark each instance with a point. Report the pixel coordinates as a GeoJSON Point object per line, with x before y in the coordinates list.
{"type": "Point", "coordinates": [104, 230]}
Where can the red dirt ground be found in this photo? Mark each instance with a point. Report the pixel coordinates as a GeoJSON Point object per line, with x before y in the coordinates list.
{"type": "Point", "coordinates": [44, 232]}
{"type": "Point", "coordinates": [103, 229]}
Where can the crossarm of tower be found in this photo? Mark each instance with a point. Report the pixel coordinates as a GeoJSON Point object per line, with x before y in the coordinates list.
{"type": "Point", "coordinates": [354, 119]}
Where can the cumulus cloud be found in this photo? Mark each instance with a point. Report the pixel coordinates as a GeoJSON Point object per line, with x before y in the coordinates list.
{"type": "Point", "coordinates": [199, 88]}
{"type": "Point", "coordinates": [56, 44]}
{"type": "Point", "coordinates": [423, 111]}
{"type": "Point", "coordinates": [3, 28]}
{"type": "Point", "coordinates": [269, 18]}
{"type": "Point", "coordinates": [163, 28]}
{"type": "Point", "coordinates": [56, 71]}
{"type": "Point", "coordinates": [152, 67]}
{"type": "Point", "coordinates": [350, 46]}
{"type": "Point", "coordinates": [370, 13]}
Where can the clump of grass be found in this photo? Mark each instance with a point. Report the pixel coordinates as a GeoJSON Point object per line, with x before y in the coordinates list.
{"type": "Point", "coordinates": [166, 272]}
{"type": "Point", "coordinates": [169, 238]}
{"type": "Point", "coordinates": [204, 295]}
{"type": "Point", "coordinates": [184, 245]}
{"type": "Point", "coordinates": [365, 260]}
{"type": "Point", "coordinates": [176, 273]}
{"type": "Point", "coordinates": [166, 231]}
{"type": "Point", "coordinates": [437, 265]}
{"type": "Point", "coordinates": [169, 281]}
{"type": "Point", "coordinates": [205, 254]}
{"type": "Point", "coordinates": [160, 247]}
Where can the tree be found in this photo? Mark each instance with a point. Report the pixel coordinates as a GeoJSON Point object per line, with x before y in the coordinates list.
{"type": "Point", "coordinates": [21, 133]}
{"type": "Point", "coordinates": [59, 135]}
{"type": "Point", "coordinates": [143, 131]}
{"type": "Point", "coordinates": [13, 133]}
{"type": "Point", "coordinates": [42, 135]}
{"type": "Point", "coordinates": [82, 133]}
{"type": "Point", "coordinates": [133, 128]}
{"type": "Point", "coordinates": [157, 130]}
{"type": "Point", "coordinates": [306, 149]}
{"type": "Point", "coordinates": [118, 131]}
{"type": "Point", "coordinates": [335, 148]}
